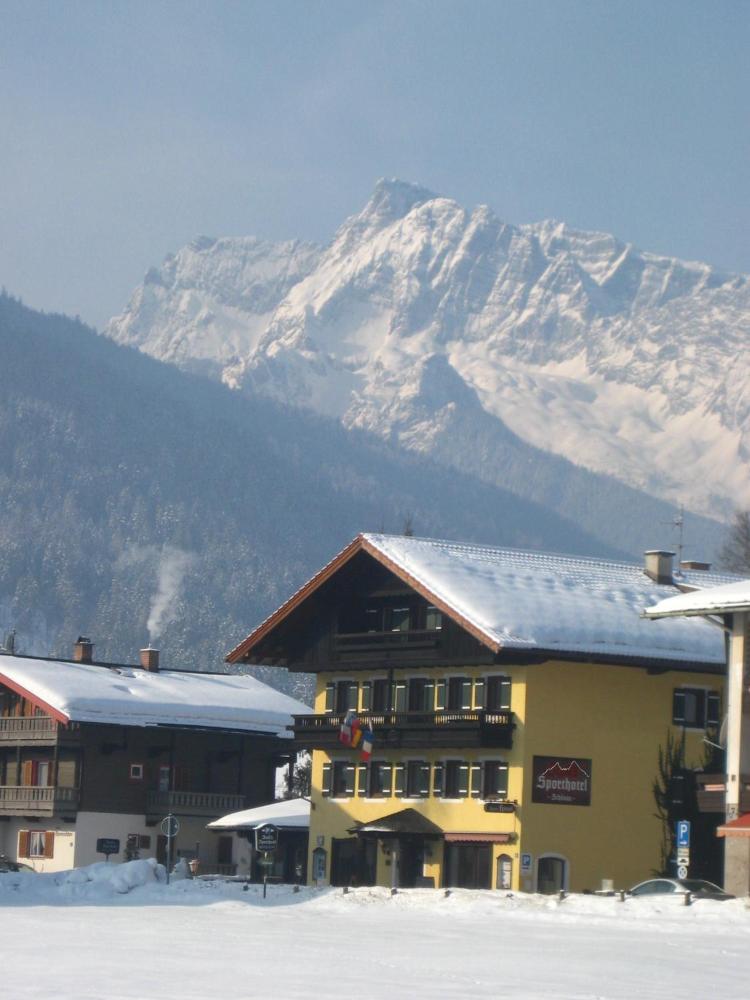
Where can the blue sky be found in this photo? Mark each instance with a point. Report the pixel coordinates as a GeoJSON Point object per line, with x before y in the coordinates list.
{"type": "Point", "coordinates": [129, 128]}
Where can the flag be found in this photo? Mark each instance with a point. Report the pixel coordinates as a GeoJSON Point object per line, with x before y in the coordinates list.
{"type": "Point", "coordinates": [356, 732]}
{"type": "Point", "coordinates": [345, 734]}
{"type": "Point", "coordinates": [367, 741]}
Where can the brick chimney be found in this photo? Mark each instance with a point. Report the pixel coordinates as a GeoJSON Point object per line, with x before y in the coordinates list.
{"type": "Point", "coordinates": [83, 649]}
{"type": "Point", "coordinates": [658, 565]}
{"type": "Point", "coordinates": [150, 660]}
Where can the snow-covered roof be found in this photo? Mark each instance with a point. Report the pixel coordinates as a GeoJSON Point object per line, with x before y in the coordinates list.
{"type": "Point", "coordinates": [537, 601]}
{"type": "Point", "coordinates": [712, 600]}
{"type": "Point", "coordinates": [286, 813]}
{"type": "Point", "coordinates": [129, 696]}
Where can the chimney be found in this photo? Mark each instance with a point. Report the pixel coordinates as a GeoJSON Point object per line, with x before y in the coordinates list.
{"type": "Point", "coordinates": [695, 564]}
{"type": "Point", "coordinates": [150, 659]}
{"type": "Point", "coordinates": [658, 565]}
{"type": "Point", "coordinates": [83, 649]}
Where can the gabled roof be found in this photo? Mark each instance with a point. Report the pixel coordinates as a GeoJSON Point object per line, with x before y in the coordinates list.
{"type": "Point", "coordinates": [129, 696]}
{"type": "Point", "coordinates": [709, 601]}
{"type": "Point", "coordinates": [739, 827]}
{"type": "Point", "coordinates": [519, 600]}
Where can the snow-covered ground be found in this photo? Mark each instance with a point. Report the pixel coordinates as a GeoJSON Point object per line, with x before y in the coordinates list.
{"type": "Point", "coordinates": [118, 932]}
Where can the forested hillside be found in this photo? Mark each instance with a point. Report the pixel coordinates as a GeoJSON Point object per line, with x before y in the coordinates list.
{"type": "Point", "coordinates": [133, 493]}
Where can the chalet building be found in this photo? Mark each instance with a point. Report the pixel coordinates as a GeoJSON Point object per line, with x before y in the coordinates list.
{"type": "Point", "coordinates": [516, 703]}
{"type": "Point", "coordinates": [92, 752]}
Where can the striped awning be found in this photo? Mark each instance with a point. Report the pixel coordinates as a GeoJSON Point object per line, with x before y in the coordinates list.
{"type": "Point", "coordinates": [479, 838]}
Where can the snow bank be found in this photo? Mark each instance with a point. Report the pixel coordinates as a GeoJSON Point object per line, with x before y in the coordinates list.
{"type": "Point", "coordinates": [97, 882]}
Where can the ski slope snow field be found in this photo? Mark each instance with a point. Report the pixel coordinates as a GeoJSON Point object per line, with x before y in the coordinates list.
{"type": "Point", "coordinates": [118, 933]}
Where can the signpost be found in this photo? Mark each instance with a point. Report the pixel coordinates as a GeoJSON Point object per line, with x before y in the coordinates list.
{"type": "Point", "coordinates": [682, 838]}
{"type": "Point", "coordinates": [107, 846]}
{"type": "Point", "coordinates": [266, 843]}
{"type": "Point", "coordinates": [170, 827]}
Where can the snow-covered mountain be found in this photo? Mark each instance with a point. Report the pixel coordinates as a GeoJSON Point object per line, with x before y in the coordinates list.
{"type": "Point", "coordinates": [443, 328]}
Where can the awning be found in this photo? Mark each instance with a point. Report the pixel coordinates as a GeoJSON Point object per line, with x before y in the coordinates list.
{"type": "Point", "coordinates": [479, 838]}
{"type": "Point", "coordinates": [739, 827]}
{"type": "Point", "coordinates": [406, 822]}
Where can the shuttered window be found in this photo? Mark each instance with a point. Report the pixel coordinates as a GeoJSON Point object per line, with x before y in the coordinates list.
{"type": "Point", "coordinates": [695, 708]}
{"type": "Point", "coordinates": [495, 780]}
{"type": "Point", "coordinates": [362, 780]}
{"type": "Point", "coordinates": [342, 780]}
{"type": "Point", "coordinates": [23, 844]}
{"type": "Point", "coordinates": [456, 779]}
{"type": "Point", "coordinates": [438, 774]}
{"type": "Point", "coordinates": [398, 779]}
{"type": "Point", "coordinates": [380, 779]}
{"type": "Point", "coordinates": [498, 694]}
{"type": "Point", "coordinates": [399, 696]}
{"type": "Point", "coordinates": [417, 779]}
{"type": "Point", "coordinates": [330, 696]}
{"type": "Point", "coordinates": [479, 694]}
{"type": "Point", "coordinates": [475, 774]}
{"type": "Point", "coordinates": [459, 693]}
{"type": "Point", "coordinates": [380, 688]}
{"type": "Point", "coordinates": [326, 786]}
{"type": "Point", "coordinates": [440, 696]}
{"type": "Point", "coordinates": [366, 688]}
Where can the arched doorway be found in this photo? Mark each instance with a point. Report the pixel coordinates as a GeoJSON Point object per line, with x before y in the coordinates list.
{"type": "Point", "coordinates": [551, 873]}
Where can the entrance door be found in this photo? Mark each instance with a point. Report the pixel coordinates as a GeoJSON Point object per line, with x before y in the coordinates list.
{"type": "Point", "coordinates": [410, 861]}
{"type": "Point", "coordinates": [468, 865]}
{"type": "Point", "coordinates": [550, 876]}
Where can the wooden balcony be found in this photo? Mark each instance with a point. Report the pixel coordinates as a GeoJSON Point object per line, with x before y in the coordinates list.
{"type": "Point", "coordinates": [39, 730]}
{"type": "Point", "coordinates": [712, 796]}
{"type": "Point", "coordinates": [207, 804]}
{"type": "Point", "coordinates": [38, 800]}
{"type": "Point", "coordinates": [464, 728]}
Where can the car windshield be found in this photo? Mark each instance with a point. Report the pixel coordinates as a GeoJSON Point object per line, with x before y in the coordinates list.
{"type": "Point", "coordinates": [700, 885]}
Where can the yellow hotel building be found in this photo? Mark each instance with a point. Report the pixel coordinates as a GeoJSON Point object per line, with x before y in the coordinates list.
{"type": "Point", "coordinates": [517, 703]}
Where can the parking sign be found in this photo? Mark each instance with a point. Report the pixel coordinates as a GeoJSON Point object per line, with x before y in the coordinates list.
{"type": "Point", "coordinates": [683, 835]}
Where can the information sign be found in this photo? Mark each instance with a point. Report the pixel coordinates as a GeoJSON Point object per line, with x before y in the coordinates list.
{"type": "Point", "coordinates": [526, 863]}
{"type": "Point", "coordinates": [107, 845]}
{"type": "Point", "coordinates": [266, 837]}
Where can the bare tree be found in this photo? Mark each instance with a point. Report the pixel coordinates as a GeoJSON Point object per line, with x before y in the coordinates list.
{"type": "Point", "coordinates": [735, 552]}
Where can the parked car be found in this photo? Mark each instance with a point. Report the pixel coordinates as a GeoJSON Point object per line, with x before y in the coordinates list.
{"type": "Point", "coordinates": [697, 887]}
{"type": "Point", "coordinates": [6, 865]}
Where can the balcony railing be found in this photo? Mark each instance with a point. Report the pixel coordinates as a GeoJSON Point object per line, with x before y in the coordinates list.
{"type": "Point", "coordinates": [394, 730]}
{"type": "Point", "coordinates": [411, 638]}
{"type": "Point", "coordinates": [712, 795]}
{"type": "Point", "coordinates": [37, 800]}
{"type": "Point", "coordinates": [36, 729]}
{"type": "Point", "coordinates": [211, 804]}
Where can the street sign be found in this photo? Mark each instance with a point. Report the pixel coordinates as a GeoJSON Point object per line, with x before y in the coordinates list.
{"type": "Point", "coordinates": [170, 826]}
{"type": "Point", "coordinates": [499, 807]}
{"type": "Point", "coordinates": [526, 860]}
{"type": "Point", "coordinates": [266, 837]}
{"type": "Point", "coordinates": [682, 871]}
{"type": "Point", "coordinates": [107, 845]}
{"type": "Point", "coordinates": [683, 835]}
{"type": "Point", "coordinates": [683, 858]}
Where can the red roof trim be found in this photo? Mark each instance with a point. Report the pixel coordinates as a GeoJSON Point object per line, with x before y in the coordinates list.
{"type": "Point", "coordinates": [739, 827]}
{"type": "Point", "coordinates": [360, 544]}
{"type": "Point", "coordinates": [19, 689]}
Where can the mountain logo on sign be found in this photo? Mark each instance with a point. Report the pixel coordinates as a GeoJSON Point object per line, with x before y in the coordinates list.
{"type": "Point", "coordinates": [570, 778]}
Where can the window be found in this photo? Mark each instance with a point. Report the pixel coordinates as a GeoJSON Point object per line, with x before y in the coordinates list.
{"type": "Point", "coordinates": [433, 619]}
{"type": "Point", "coordinates": [495, 783]}
{"type": "Point", "coordinates": [36, 772]}
{"type": "Point", "coordinates": [380, 695]}
{"type": "Point", "coordinates": [456, 779]}
{"type": "Point", "coordinates": [342, 696]}
{"type": "Point", "coordinates": [398, 619]}
{"type": "Point", "coordinates": [498, 694]}
{"type": "Point", "coordinates": [338, 779]}
{"type": "Point", "coordinates": [164, 776]}
{"type": "Point", "coordinates": [36, 844]}
{"type": "Point", "coordinates": [136, 772]}
{"type": "Point", "coordinates": [695, 708]}
{"type": "Point", "coordinates": [459, 693]}
{"type": "Point", "coordinates": [380, 779]}
{"type": "Point", "coordinates": [417, 779]}
{"type": "Point", "coordinates": [421, 695]}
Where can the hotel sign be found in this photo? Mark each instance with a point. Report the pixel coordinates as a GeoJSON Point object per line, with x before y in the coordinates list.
{"type": "Point", "coordinates": [561, 781]}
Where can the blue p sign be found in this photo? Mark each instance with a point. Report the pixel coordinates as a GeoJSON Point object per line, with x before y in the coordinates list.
{"type": "Point", "coordinates": [683, 834]}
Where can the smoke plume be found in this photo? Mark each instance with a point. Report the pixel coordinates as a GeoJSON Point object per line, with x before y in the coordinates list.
{"type": "Point", "coordinates": [173, 565]}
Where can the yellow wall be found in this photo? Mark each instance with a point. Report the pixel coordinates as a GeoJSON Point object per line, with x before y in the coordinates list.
{"type": "Point", "coordinates": [615, 716]}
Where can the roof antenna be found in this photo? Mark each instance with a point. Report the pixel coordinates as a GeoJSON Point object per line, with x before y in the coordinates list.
{"type": "Point", "coordinates": [678, 522]}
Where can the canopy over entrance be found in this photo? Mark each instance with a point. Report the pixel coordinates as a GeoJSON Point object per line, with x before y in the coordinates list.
{"type": "Point", "coordinates": [404, 823]}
